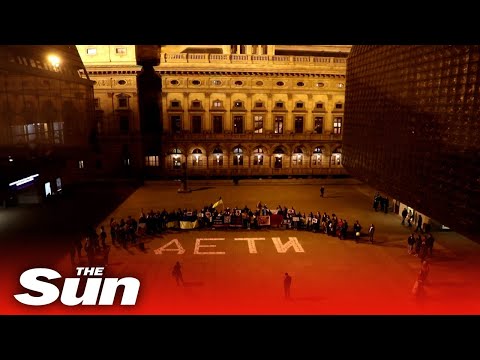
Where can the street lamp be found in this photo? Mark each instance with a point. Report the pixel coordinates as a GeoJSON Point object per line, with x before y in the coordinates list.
{"type": "Point", "coordinates": [54, 61]}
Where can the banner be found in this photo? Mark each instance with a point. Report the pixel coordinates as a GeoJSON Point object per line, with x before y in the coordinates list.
{"type": "Point", "coordinates": [189, 224]}
{"type": "Point", "coordinates": [264, 220]}
{"type": "Point", "coordinates": [276, 220]}
{"type": "Point", "coordinates": [172, 224]}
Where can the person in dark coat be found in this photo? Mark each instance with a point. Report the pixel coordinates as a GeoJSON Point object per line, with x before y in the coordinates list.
{"type": "Point", "coordinates": [287, 282]}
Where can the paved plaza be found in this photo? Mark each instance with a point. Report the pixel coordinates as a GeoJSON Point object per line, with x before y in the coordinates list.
{"type": "Point", "coordinates": [244, 270]}
{"type": "Point", "coordinates": [329, 275]}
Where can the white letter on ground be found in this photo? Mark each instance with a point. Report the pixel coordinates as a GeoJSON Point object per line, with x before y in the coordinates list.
{"type": "Point", "coordinates": [198, 246]}
{"type": "Point", "coordinates": [292, 242]}
{"type": "Point", "coordinates": [180, 250]}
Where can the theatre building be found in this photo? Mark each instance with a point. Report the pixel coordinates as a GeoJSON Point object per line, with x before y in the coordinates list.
{"type": "Point", "coordinates": [225, 110]}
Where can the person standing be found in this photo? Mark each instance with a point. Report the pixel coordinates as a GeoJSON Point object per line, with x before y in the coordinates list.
{"type": "Point", "coordinates": [371, 231]}
{"type": "Point", "coordinates": [419, 223]}
{"type": "Point", "coordinates": [322, 191]}
{"type": "Point", "coordinates": [177, 273]}
{"type": "Point", "coordinates": [287, 282]}
{"type": "Point", "coordinates": [404, 215]}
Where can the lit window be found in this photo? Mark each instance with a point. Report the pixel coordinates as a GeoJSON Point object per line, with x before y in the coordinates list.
{"type": "Point", "coordinates": [340, 85]}
{"type": "Point", "coordinates": [151, 160]}
{"type": "Point", "coordinates": [258, 123]}
{"type": "Point", "coordinates": [258, 156]}
{"type": "Point", "coordinates": [80, 164]}
{"type": "Point", "coordinates": [91, 51]}
{"type": "Point", "coordinates": [278, 125]}
{"type": "Point", "coordinates": [216, 82]}
{"type": "Point", "coordinates": [121, 50]}
{"type": "Point", "coordinates": [337, 125]}
{"type": "Point", "coordinates": [217, 104]}
{"type": "Point", "coordinates": [320, 84]}
{"type": "Point", "coordinates": [238, 104]}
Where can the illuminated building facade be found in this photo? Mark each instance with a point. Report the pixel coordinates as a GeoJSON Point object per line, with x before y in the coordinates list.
{"type": "Point", "coordinates": [226, 110]}
{"type": "Point", "coordinates": [47, 133]}
{"type": "Point", "coordinates": [412, 129]}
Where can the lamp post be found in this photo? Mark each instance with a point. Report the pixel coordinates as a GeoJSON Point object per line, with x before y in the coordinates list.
{"type": "Point", "coordinates": [184, 184]}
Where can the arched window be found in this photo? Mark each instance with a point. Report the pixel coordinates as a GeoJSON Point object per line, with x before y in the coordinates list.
{"type": "Point", "coordinates": [317, 156]}
{"type": "Point", "coordinates": [176, 158]}
{"type": "Point", "coordinates": [278, 152]}
{"type": "Point", "coordinates": [337, 157]}
{"type": "Point", "coordinates": [238, 156]}
{"type": "Point", "coordinates": [218, 157]}
{"type": "Point", "coordinates": [196, 159]}
{"type": "Point", "coordinates": [258, 156]}
{"type": "Point", "coordinates": [297, 157]}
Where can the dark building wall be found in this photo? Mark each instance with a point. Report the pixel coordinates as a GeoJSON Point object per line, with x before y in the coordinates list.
{"type": "Point", "coordinates": [46, 114]}
{"type": "Point", "coordinates": [412, 127]}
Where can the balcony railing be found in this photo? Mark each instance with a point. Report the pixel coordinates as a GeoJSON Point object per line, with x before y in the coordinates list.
{"type": "Point", "coordinates": [253, 59]}
{"type": "Point", "coordinates": [250, 136]}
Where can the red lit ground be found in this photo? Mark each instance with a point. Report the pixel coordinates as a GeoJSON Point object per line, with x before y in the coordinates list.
{"type": "Point", "coordinates": [331, 276]}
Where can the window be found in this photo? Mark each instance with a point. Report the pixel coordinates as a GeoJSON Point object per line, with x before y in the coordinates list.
{"type": "Point", "coordinates": [278, 127]}
{"type": "Point", "coordinates": [279, 104]}
{"type": "Point", "coordinates": [121, 50]}
{"type": "Point", "coordinates": [278, 157]}
{"type": "Point", "coordinates": [238, 104]}
{"type": "Point", "coordinates": [124, 123]}
{"type": "Point", "coordinates": [259, 83]}
{"type": "Point", "coordinates": [338, 106]}
{"type": "Point", "coordinates": [176, 163]}
{"type": "Point", "coordinates": [123, 102]}
{"type": "Point", "coordinates": [196, 124]}
{"type": "Point", "coordinates": [317, 156]}
{"type": "Point", "coordinates": [151, 160]}
{"type": "Point", "coordinates": [340, 85]}
{"type": "Point", "coordinates": [238, 124]}
{"type": "Point", "coordinates": [216, 82]}
{"type": "Point", "coordinates": [218, 124]}
{"type": "Point", "coordinates": [337, 125]}
{"type": "Point", "coordinates": [80, 164]}
{"type": "Point", "coordinates": [96, 102]}
{"type": "Point", "coordinates": [58, 132]}
{"type": "Point", "coordinates": [318, 125]}
{"type": "Point", "coordinates": [91, 51]}
{"type": "Point", "coordinates": [197, 157]}
{"type": "Point", "coordinates": [319, 105]}
{"type": "Point", "coordinates": [258, 123]}
{"type": "Point", "coordinates": [280, 83]}
{"type": "Point", "coordinates": [299, 105]}
{"type": "Point", "coordinates": [298, 124]}
{"type": "Point", "coordinates": [175, 104]}
{"type": "Point", "coordinates": [121, 82]}
{"type": "Point", "coordinates": [176, 122]}
{"type": "Point", "coordinates": [217, 104]}
{"type": "Point", "coordinates": [336, 158]}
{"type": "Point", "coordinates": [297, 159]}
{"type": "Point", "coordinates": [258, 156]}
{"type": "Point", "coordinates": [258, 104]}
{"type": "Point", "coordinates": [300, 83]}
{"type": "Point", "coordinates": [218, 157]}
{"type": "Point", "coordinates": [238, 156]}
{"type": "Point", "coordinates": [196, 82]}
{"type": "Point", "coordinates": [320, 84]}
{"type": "Point", "coordinates": [239, 83]}
{"type": "Point", "coordinates": [196, 104]}
{"type": "Point", "coordinates": [174, 82]}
